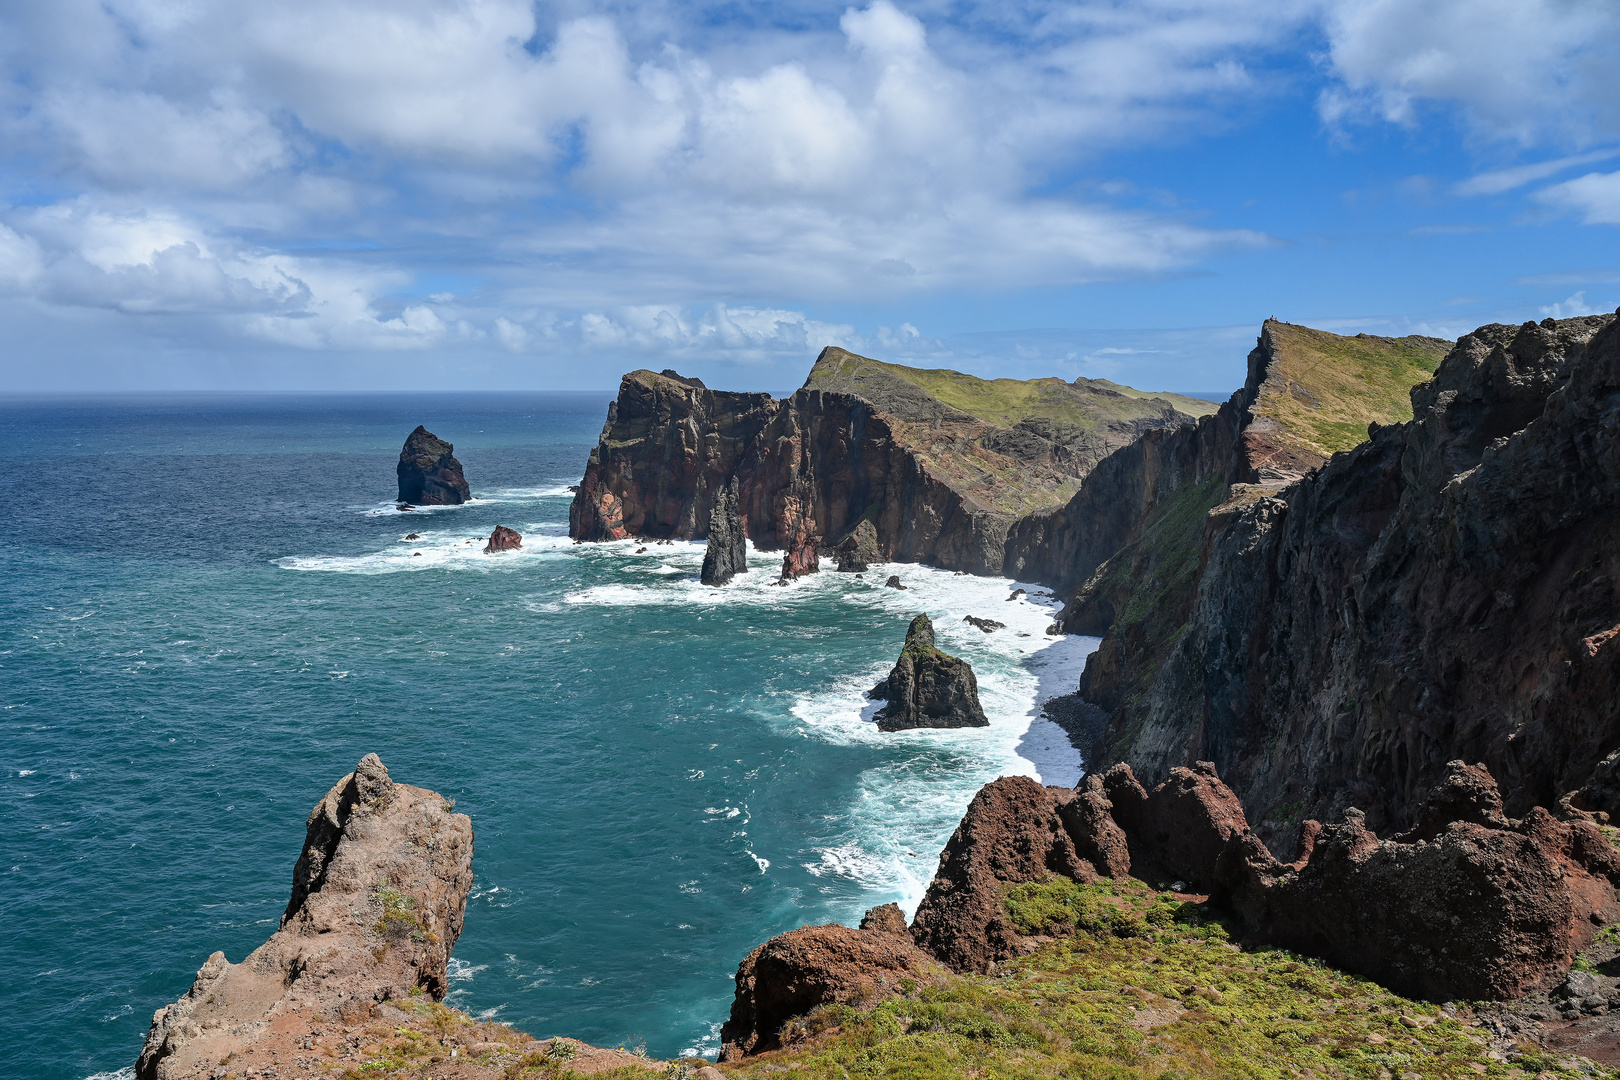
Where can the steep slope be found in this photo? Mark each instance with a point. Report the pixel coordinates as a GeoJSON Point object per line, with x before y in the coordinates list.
{"type": "Point", "coordinates": [1142, 506]}
{"type": "Point", "coordinates": [940, 463]}
{"type": "Point", "coordinates": [1447, 589]}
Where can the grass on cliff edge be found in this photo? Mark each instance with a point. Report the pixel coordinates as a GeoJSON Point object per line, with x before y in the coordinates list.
{"type": "Point", "coordinates": [1004, 402]}
{"type": "Point", "coordinates": [1141, 986]}
{"type": "Point", "coordinates": [1326, 388]}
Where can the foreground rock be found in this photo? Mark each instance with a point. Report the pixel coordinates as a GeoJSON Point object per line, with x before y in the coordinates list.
{"type": "Point", "coordinates": [928, 688]}
{"type": "Point", "coordinates": [355, 972]}
{"type": "Point", "coordinates": [377, 902]}
{"type": "Point", "coordinates": [793, 973]}
{"type": "Point", "coordinates": [503, 539]}
{"type": "Point", "coordinates": [727, 553]}
{"type": "Point", "coordinates": [1467, 905]}
{"type": "Point", "coordinates": [429, 474]}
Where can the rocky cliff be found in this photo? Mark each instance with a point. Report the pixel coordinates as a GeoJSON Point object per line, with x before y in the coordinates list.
{"type": "Point", "coordinates": [429, 474]}
{"type": "Point", "coordinates": [939, 463]}
{"type": "Point", "coordinates": [727, 552]}
{"type": "Point", "coordinates": [1446, 589]}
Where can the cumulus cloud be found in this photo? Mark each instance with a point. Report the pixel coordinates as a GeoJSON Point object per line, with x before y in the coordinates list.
{"type": "Point", "coordinates": [1595, 196]}
{"type": "Point", "coordinates": [1528, 71]}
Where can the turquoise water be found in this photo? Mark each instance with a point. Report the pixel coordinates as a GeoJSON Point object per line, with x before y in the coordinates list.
{"type": "Point", "coordinates": [211, 614]}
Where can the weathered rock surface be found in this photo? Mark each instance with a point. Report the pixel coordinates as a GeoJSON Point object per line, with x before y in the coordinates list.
{"type": "Point", "coordinates": [857, 551]}
{"type": "Point", "coordinates": [795, 972]}
{"type": "Point", "coordinates": [886, 919]}
{"type": "Point", "coordinates": [378, 897]}
{"type": "Point", "coordinates": [1011, 833]}
{"type": "Point", "coordinates": [503, 539]}
{"type": "Point", "coordinates": [893, 582]}
{"type": "Point", "coordinates": [989, 626]}
{"type": "Point", "coordinates": [927, 687]}
{"type": "Point", "coordinates": [1481, 907]}
{"type": "Point", "coordinates": [727, 553]}
{"type": "Point", "coordinates": [862, 441]}
{"type": "Point", "coordinates": [1447, 589]}
{"type": "Point", "coordinates": [429, 474]}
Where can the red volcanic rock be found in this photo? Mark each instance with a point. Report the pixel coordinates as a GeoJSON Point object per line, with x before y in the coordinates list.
{"type": "Point", "coordinates": [816, 965]}
{"type": "Point", "coordinates": [429, 474]}
{"type": "Point", "coordinates": [1087, 817]}
{"type": "Point", "coordinates": [378, 898]}
{"type": "Point", "coordinates": [1180, 830]}
{"type": "Point", "coordinates": [886, 919]}
{"type": "Point", "coordinates": [503, 539]}
{"type": "Point", "coordinates": [1011, 833]}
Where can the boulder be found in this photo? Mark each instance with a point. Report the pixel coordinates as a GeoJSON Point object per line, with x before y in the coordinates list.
{"type": "Point", "coordinates": [987, 625]}
{"type": "Point", "coordinates": [894, 582]}
{"type": "Point", "coordinates": [815, 965]}
{"type": "Point", "coordinates": [727, 553]}
{"type": "Point", "coordinates": [503, 539]}
{"type": "Point", "coordinates": [857, 551]}
{"type": "Point", "coordinates": [378, 897]}
{"type": "Point", "coordinates": [929, 688]}
{"type": "Point", "coordinates": [429, 474]}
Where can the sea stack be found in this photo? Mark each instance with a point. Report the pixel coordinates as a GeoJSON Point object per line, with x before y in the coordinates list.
{"type": "Point", "coordinates": [429, 474]}
{"type": "Point", "coordinates": [859, 550]}
{"type": "Point", "coordinates": [928, 688]}
{"type": "Point", "coordinates": [503, 539]}
{"type": "Point", "coordinates": [727, 554]}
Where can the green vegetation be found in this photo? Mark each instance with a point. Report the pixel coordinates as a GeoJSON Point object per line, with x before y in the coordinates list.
{"type": "Point", "coordinates": [1146, 987]}
{"type": "Point", "coordinates": [1325, 388]}
{"type": "Point", "coordinates": [399, 920]}
{"type": "Point", "coordinates": [1084, 404]}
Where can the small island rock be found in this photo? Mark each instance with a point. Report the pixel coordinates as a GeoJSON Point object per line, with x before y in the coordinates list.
{"type": "Point", "coordinates": [429, 474]}
{"type": "Point", "coordinates": [928, 688]}
{"type": "Point", "coordinates": [857, 551]}
{"type": "Point", "coordinates": [503, 539]}
{"type": "Point", "coordinates": [727, 553]}
{"type": "Point", "coordinates": [987, 625]}
{"type": "Point", "coordinates": [894, 582]}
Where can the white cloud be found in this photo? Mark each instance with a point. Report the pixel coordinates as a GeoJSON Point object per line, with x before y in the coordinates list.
{"type": "Point", "coordinates": [1503, 180]}
{"type": "Point", "coordinates": [1596, 196]}
{"type": "Point", "coordinates": [1575, 305]}
{"type": "Point", "coordinates": [1528, 71]}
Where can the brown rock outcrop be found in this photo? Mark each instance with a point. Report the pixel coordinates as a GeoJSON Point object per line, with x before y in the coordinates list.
{"type": "Point", "coordinates": [886, 919]}
{"type": "Point", "coordinates": [859, 550]}
{"type": "Point", "coordinates": [379, 893]}
{"type": "Point", "coordinates": [816, 965]}
{"type": "Point", "coordinates": [429, 474]}
{"type": "Point", "coordinates": [928, 688]}
{"type": "Point", "coordinates": [503, 539]}
{"type": "Point", "coordinates": [1011, 833]}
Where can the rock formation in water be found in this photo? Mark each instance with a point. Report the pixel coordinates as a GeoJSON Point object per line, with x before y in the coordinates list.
{"type": "Point", "coordinates": [861, 441]}
{"type": "Point", "coordinates": [817, 965]}
{"type": "Point", "coordinates": [377, 903]}
{"type": "Point", "coordinates": [893, 582]}
{"type": "Point", "coordinates": [928, 688]}
{"type": "Point", "coordinates": [727, 553]}
{"type": "Point", "coordinates": [989, 626]}
{"type": "Point", "coordinates": [1446, 589]}
{"type": "Point", "coordinates": [503, 539]}
{"type": "Point", "coordinates": [429, 474]}
{"type": "Point", "coordinates": [859, 550]}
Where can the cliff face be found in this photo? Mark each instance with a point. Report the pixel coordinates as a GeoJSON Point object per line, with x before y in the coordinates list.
{"type": "Point", "coordinates": [939, 463]}
{"type": "Point", "coordinates": [1448, 589]}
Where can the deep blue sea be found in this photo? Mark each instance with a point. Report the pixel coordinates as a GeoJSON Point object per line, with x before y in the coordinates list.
{"type": "Point", "coordinates": [211, 613]}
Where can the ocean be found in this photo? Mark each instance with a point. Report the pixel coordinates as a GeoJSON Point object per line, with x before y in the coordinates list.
{"type": "Point", "coordinates": [212, 612]}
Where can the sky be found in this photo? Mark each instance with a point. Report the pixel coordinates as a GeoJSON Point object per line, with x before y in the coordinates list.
{"type": "Point", "coordinates": [497, 194]}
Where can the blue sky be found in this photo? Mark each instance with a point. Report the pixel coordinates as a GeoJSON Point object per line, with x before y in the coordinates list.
{"type": "Point", "coordinates": [493, 194]}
